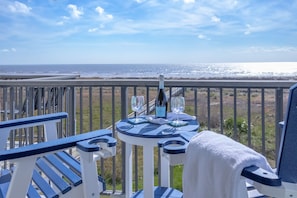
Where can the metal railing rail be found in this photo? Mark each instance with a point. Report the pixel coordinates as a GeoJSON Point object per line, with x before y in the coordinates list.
{"type": "Point", "coordinates": [244, 107]}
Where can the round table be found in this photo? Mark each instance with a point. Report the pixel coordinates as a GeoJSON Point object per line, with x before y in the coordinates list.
{"type": "Point", "coordinates": [147, 134]}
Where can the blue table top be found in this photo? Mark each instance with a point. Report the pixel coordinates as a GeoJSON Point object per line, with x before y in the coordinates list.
{"type": "Point", "coordinates": [147, 129]}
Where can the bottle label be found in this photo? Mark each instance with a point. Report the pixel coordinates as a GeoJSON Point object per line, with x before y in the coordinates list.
{"type": "Point", "coordinates": [160, 112]}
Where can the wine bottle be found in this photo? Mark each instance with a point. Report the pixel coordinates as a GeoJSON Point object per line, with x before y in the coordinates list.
{"type": "Point", "coordinates": [161, 101]}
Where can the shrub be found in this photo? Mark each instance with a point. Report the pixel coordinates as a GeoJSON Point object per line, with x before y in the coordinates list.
{"type": "Point", "coordinates": [241, 125]}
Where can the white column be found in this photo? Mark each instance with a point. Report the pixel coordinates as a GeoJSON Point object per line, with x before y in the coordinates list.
{"type": "Point", "coordinates": [148, 171]}
{"type": "Point", "coordinates": [165, 170]}
{"type": "Point", "coordinates": [128, 170]}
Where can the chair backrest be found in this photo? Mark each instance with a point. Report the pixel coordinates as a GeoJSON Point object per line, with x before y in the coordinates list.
{"type": "Point", "coordinates": [287, 161]}
{"type": "Point", "coordinates": [54, 95]}
{"type": "Point", "coordinates": [44, 99]}
{"type": "Point", "coordinates": [35, 97]}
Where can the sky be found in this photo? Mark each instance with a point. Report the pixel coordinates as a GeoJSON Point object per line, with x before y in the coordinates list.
{"type": "Point", "coordinates": [147, 31]}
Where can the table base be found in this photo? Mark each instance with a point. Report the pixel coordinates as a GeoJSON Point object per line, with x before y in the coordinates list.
{"type": "Point", "coordinates": [161, 192]}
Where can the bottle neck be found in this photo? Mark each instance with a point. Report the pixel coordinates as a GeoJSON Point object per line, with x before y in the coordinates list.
{"type": "Point", "coordinates": [161, 82]}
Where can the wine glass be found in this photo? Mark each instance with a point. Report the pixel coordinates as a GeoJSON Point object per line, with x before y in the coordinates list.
{"type": "Point", "coordinates": [137, 103]}
{"type": "Point", "coordinates": [177, 106]}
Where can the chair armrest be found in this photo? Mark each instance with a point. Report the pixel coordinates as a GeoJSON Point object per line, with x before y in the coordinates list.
{"type": "Point", "coordinates": [176, 145]}
{"type": "Point", "coordinates": [173, 146]}
{"type": "Point", "coordinates": [48, 121]}
{"type": "Point", "coordinates": [51, 146]}
{"type": "Point", "coordinates": [38, 120]}
{"type": "Point", "coordinates": [105, 149]}
{"type": "Point", "coordinates": [91, 145]}
{"type": "Point", "coordinates": [262, 176]}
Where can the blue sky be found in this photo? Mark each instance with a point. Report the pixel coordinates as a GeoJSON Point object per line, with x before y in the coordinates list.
{"type": "Point", "coordinates": [147, 31]}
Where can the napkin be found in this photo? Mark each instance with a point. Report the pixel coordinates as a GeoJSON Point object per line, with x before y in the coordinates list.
{"type": "Point", "coordinates": [157, 120]}
{"type": "Point", "coordinates": [182, 116]}
{"type": "Point", "coordinates": [171, 117]}
{"type": "Point", "coordinates": [139, 120]}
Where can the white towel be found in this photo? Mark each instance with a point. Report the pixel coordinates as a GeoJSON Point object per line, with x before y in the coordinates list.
{"type": "Point", "coordinates": [213, 166]}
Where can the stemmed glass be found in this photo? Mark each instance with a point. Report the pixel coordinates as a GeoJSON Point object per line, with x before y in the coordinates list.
{"type": "Point", "coordinates": [177, 106]}
{"type": "Point", "coordinates": [137, 103]}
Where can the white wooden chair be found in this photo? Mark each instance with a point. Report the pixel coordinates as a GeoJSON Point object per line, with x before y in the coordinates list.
{"type": "Point", "coordinates": [47, 169]}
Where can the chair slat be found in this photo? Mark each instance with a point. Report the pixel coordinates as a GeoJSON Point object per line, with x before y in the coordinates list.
{"type": "Point", "coordinates": [63, 186]}
{"type": "Point", "coordinates": [44, 186]}
{"type": "Point", "coordinates": [70, 161]}
{"type": "Point", "coordinates": [65, 171]}
{"type": "Point", "coordinates": [32, 192]}
{"type": "Point", "coordinates": [75, 165]}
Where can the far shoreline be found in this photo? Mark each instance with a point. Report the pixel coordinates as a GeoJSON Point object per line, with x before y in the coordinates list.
{"type": "Point", "coordinates": [5, 76]}
{"type": "Point", "coordinates": [200, 78]}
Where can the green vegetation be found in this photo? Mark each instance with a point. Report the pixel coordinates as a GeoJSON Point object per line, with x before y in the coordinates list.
{"type": "Point", "coordinates": [241, 126]}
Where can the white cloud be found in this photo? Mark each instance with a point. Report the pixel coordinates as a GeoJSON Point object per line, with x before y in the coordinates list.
{"type": "Point", "coordinates": [215, 19]}
{"type": "Point", "coordinates": [93, 30]}
{"type": "Point", "coordinates": [101, 12]}
{"type": "Point", "coordinates": [248, 29]}
{"type": "Point", "coordinates": [8, 50]}
{"type": "Point", "coordinates": [189, 1]}
{"type": "Point", "coordinates": [60, 23]}
{"type": "Point", "coordinates": [201, 36]}
{"type": "Point", "coordinates": [140, 1]}
{"type": "Point", "coordinates": [75, 12]}
{"type": "Point", "coordinates": [63, 20]}
{"type": "Point", "coordinates": [18, 7]}
{"type": "Point", "coordinates": [224, 4]}
{"type": "Point", "coordinates": [109, 16]}
{"type": "Point", "coordinates": [272, 49]}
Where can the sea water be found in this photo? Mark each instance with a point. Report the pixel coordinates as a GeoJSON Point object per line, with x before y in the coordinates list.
{"type": "Point", "coordinates": [193, 71]}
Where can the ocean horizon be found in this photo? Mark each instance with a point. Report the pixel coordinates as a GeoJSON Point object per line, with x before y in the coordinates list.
{"type": "Point", "coordinates": [283, 70]}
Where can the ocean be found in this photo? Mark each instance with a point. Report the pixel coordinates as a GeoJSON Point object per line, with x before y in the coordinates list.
{"type": "Point", "coordinates": [284, 70]}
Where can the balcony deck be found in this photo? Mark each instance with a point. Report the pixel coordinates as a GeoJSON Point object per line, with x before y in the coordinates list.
{"type": "Point", "coordinates": [247, 110]}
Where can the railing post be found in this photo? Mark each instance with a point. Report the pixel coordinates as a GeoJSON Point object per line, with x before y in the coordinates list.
{"type": "Point", "coordinates": [71, 109]}
{"type": "Point", "coordinates": [208, 109]}
{"type": "Point", "coordinates": [11, 115]}
{"type": "Point", "coordinates": [30, 112]}
{"type": "Point", "coordinates": [235, 133]}
{"type": "Point", "coordinates": [278, 118]}
{"type": "Point", "coordinates": [124, 114]}
{"type": "Point", "coordinates": [12, 102]}
{"type": "Point", "coordinates": [221, 111]}
{"type": "Point", "coordinates": [5, 107]}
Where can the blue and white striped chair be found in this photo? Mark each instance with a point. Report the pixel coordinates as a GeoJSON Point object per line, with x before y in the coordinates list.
{"type": "Point", "coordinates": [47, 169]}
